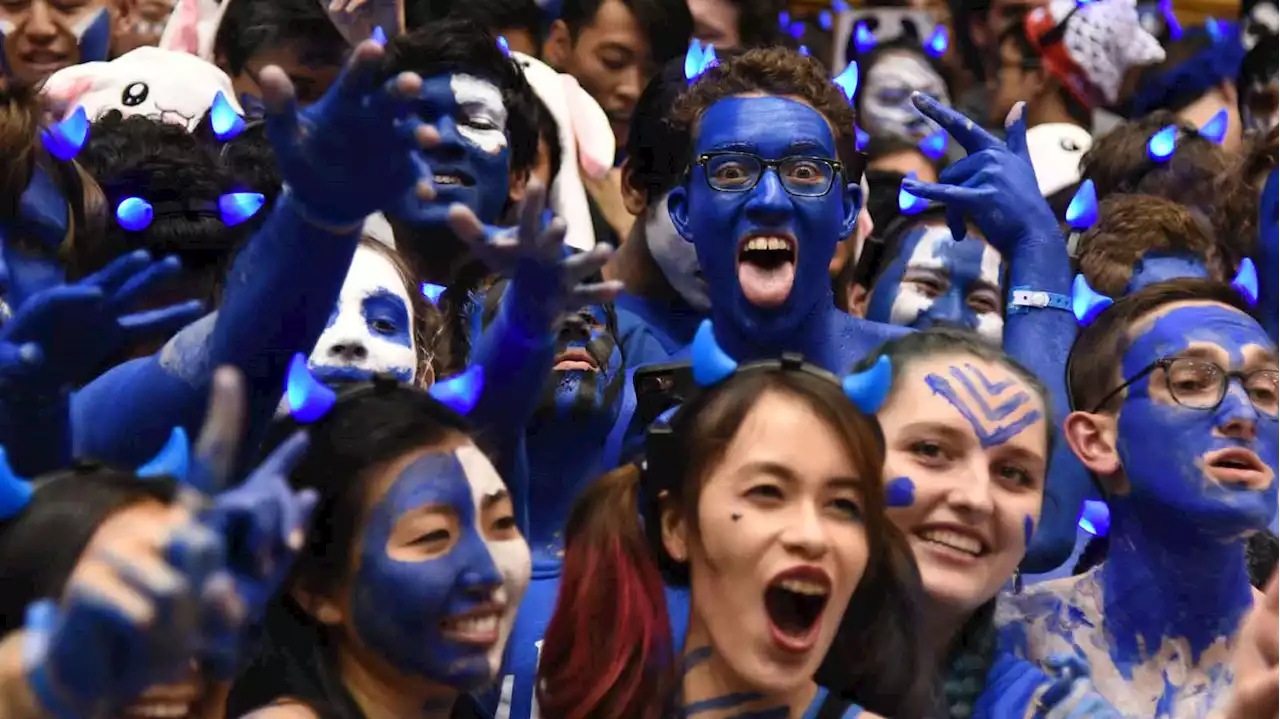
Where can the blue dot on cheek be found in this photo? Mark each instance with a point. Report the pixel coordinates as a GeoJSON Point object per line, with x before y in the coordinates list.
{"type": "Point", "coordinates": [900, 492]}
{"type": "Point", "coordinates": [1028, 529]}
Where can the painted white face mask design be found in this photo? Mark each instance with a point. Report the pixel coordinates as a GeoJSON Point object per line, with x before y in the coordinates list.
{"type": "Point", "coordinates": [886, 100]}
{"type": "Point", "coordinates": [676, 256]}
{"type": "Point", "coordinates": [485, 123]}
{"type": "Point", "coordinates": [371, 327]}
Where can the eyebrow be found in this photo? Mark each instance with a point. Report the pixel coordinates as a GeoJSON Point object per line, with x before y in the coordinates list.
{"type": "Point", "coordinates": [737, 145]}
{"type": "Point", "coordinates": [1201, 352]}
{"type": "Point", "coordinates": [807, 146]}
{"type": "Point", "coordinates": [786, 474]}
{"type": "Point", "coordinates": [946, 430]}
{"type": "Point", "coordinates": [489, 500]}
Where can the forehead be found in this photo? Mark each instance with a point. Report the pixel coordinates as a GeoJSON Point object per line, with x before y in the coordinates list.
{"type": "Point", "coordinates": [460, 89]}
{"type": "Point", "coordinates": [369, 269]}
{"type": "Point", "coordinates": [769, 125]}
{"type": "Point", "coordinates": [448, 458]}
{"type": "Point", "coordinates": [933, 246]}
{"type": "Point", "coordinates": [1174, 328]}
{"type": "Point", "coordinates": [614, 23]}
{"type": "Point", "coordinates": [783, 429]}
{"type": "Point", "coordinates": [891, 66]}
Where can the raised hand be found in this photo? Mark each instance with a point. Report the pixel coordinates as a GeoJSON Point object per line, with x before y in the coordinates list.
{"type": "Point", "coordinates": [356, 19]}
{"type": "Point", "coordinates": [79, 327]}
{"type": "Point", "coordinates": [262, 521]}
{"type": "Point", "coordinates": [345, 156]}
{"type": "Point", "coordinates": [1257, 660]}
{"type": "Point", "coordinates": [995, 185]}
{"type": "Point", "coordinates": [129, 619]}
{"type": "Point", "coordinates": [548, 282]}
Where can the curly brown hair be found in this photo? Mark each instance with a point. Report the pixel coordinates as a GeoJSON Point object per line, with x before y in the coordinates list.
{"type": "Point", "coordinates": [770, 71]}
{"type": "Point", "coordinates": [1118, 163]}
{"type": "Point", "coordinates": [1129, 227]}
{"type": "Point", "coordinates": [1240, 190]}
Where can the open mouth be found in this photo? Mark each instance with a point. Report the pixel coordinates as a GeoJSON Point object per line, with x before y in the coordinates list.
{"type": "Point", "coordinates": [794, 601]}
{"type": "Point", "coordinates": [767, 268]}
{"type": "Point", "coordinates": [478, 627]}
{"type": "Point", "coordinates": [451, 179]}
{"type": "Point", "coordinates": [576, 358]}
{"type": "Point", "coordinates": [1238, 467]}
{"type": "Point", "coordinates": [165, 702]}
{"type": "Point", "coordinates": [954, 542]}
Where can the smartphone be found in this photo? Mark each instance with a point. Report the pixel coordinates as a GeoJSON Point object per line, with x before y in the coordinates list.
{"type": "Point", "coordinates": [660, 387]}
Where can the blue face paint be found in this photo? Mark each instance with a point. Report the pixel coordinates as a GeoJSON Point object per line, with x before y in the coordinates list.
{"type": "Point", "coordinates": [470, 163]}
{"type": "Point", "coordinates": [371, 327]}
{"type": "Point", "coordinates": [996, 414]}
{"type": "Point", "coordinates": [934, 281]}
{"type": "Point", "coordinates": [1163, 445]}
{"type": "Point", "coordinates": [1028, 529]}
{"type": "Point", "coordinates": [28, 253]}
{"type": "Point", "coordinates": [589, 384]}
{"type": "Point", "coordinates": [399, 606]}
{"type": "Point", "coordinates": [900, 492]}
{"type": "Point", "coordinates": [1159, 267]}
{"type": "Point", "coordinates": [718, 223]}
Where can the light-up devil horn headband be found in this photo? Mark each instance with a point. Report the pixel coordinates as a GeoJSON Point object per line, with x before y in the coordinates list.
{"type": "Point", "coordinates": [173, 459]}
{"type": "Point", "coordinates": [64, 140]}
{"type": "Point", "coordinates": [15, 492]}
{"type": "Point", "coordinates": [308, 399]}
{"type": "Point", "coordinates": [1086, 304]}
{"type": "Point", "coordinates": [226, 122]}
{"type": "Point", "coordinates": [698, 60]}
{"type": "Point", "coordinates": [1082, 213]}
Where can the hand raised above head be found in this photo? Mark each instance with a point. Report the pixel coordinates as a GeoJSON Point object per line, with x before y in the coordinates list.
{"type": "Point", "coordinates": [355, 150]}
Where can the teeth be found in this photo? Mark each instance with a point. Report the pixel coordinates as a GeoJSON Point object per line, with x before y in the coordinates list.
{"type": "Point", "coordinates": [799, 586]}
{"type": "Point", "coordinates": [478, 626]}
{"type": "Point", "coordinates": [159, 711]}
{"type": "Point", "coordinates": [768, 243]}
{"type": "Point", "coordinates": [447, 180]}
{"type": "Point", "coordinates": [954, 540]}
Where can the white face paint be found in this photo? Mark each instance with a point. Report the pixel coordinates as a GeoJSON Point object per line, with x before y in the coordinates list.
{"type": "Point", "coordinates": [676, 256]}
{"type": "Point", "coordinates": [371, 327]}
{"type": "Point", "coordinates": [510, 556]}
{"type": "Point", "coordinates": [886, 99]}
{"type": "Point", "coordinates": [936, 266]}
{"type": "Point", "coordinates": [483, 119]}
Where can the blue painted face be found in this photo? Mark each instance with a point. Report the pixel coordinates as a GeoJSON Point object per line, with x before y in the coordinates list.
{"type": "Point", "coordinates": [935, 281]}
{"type": "Point", "coordinates": [770, 292]}
{"type": "Point", "coordinates": [470, 164]}
{"type": "Point", "coordinates": [1160, 267]}
{"type": "Point", "coordinates": [442, 569]}
{"type": "Point", "coordinates": [29, 252]}
{"type": "Point", "coordinates": [588, 373]}
{"type": "Point", "coordinates": [1168, 450]}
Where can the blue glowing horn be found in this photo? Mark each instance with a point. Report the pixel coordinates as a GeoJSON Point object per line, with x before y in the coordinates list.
{"type": "Point", "coordinates": [1095, 518]}
{"type": "Point", "coordinates": [504, 46]}
{"type": "Point", "coordinates": [65, 140]}
{"type": "Point", "coordinates": [461, 391]}
{"type": "Point", "coordinates": [1214, 29]}
{"type": "Point", "coordinates": [1085, 302]}
{"type": "Point", "coordinates": [711, 364]}
{"type": "Point", "coordinates": [860, 138]}
{"type": "Point", "coordinates": [432, 292]}
{"type": "Point", "coordinates": [237, 207]}
{"type": "Point", "coordinates": [936, 45]}
{"type": "Point", "coordinates": [804, 50]}
{"type": "Point", "coordinates": [784, 20]}
{"type": "Point", "coordinates": [693, 63]}
{"type": "Point", "coordinates": [1171, 20]}
{"type": "Point", "coordinates": [134, 214]}
{"type": "Point", "coordinates": [308, 399]}
{"type": "Point", "coordinates": [847, 80]}
{"type": "Point", "coordinates": [909, 204]}
{"type": "Point", "coordinates": [1083, 210]}
{"type": "Point", "coordinates": [1215, 130]}
{"type": "Point", "coordinates": [1162, 144]}
{"type": "Point", "coordinates": [15, 492]}
{"type": "Point", "coordinates": [1246, 281]}
{"type": "Point", "coordinates": [839, 5]}
{"type": "Point", "coordinates": [226, 122]}
{"type": "Point", "coordinates": [173, 459]}
{"type": "Point", "coordinates": [869, 387]}
{"type": "Point", "coordinates": [863, 40]}
{"type": "Point", "coordinates": [824, 20]}
{"type": "Point", "coordinates": [934, 146]}
{"type": "Point", "coordinates": [380, 36]}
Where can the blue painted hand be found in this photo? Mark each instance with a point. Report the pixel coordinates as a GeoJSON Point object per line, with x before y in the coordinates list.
{"type": "Point", "coordinates": [129, 619]}
{"type": "Point", "coordinates": [995, 185]}
{"type": "Point", "coordinates": [78, 327]}
{"type": "Point", "coordinates": [359, 129]}
{"type": "Point", "coordinates": [262, 521]}
{"type": "Point", "coordinates": [546, 283]}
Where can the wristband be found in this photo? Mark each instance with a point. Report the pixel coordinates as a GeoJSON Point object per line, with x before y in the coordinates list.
{"type": "Point", "coordinates": [1025, 299]}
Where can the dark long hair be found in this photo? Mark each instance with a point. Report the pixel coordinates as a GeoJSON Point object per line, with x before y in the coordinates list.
{"type": "Point", "coordinates": [607, 651]}
{"type": "Point", "coordinates": [371, 425]}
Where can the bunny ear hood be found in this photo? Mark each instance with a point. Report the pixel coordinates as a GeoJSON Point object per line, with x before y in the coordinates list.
{"type": "Point", "coordinates": [193, 26]}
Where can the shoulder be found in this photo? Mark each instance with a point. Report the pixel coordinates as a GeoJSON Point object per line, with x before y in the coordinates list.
{"type": "Point", "coordinates": [283, 709]}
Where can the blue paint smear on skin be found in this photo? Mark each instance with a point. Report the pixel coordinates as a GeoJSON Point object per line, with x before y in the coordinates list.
{"type": "Point", "coordinates": [900, 492]}
{"type": "Point", "coordinates": [1158, 267]}
{"type": "Point", "coordinates": [398, 605]}
{"type": "Point", "coordinates": [997, 434]}
{"type": "Point", "coordinates": [1028, 530]}
{"type": "Point", "coordinates": [1176, 566]}
{"type": "Point", "coordinates": [386, 309]}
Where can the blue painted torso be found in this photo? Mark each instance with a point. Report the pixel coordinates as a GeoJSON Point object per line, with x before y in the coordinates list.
{"type": "Point", "coordinates": [643, 321]}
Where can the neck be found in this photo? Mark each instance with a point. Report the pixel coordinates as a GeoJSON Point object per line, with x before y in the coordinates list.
{"type": "Point", "coordinates": [811, 336]}
{"type": "Point", "coordinates": [1049, 107]}
{"type": "Point", "coordinates": [381, 692]}
{"type": "Point", "coordinates": [943, 626]}
{"type": "Point", "coordinates": [435, 254]}
{"type": "Point", "coordinates": [710, 689]}
{"type": "Point", "coordinates": [633, 265]}
{"type": "Point", "coordinates": [1164, 580]}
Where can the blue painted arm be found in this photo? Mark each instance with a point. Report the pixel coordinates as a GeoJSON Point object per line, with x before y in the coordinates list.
{"type": "Point", "coordinates": [1268, 257]}
{"type": "Point", "coordinates": [267, 315]}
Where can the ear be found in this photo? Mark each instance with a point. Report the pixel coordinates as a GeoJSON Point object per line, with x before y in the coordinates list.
{"type": "Point", "coordinates": [322, 609]}
{"type": "Point", "coordinates": [678, 206]}
{"type": "Point", "coordinates": [675, 536]}
{"type": "Point", "coordinates": [1092, 438]}
{"type": "Point", "coordinates": [633, 199]}
{"type": "Point", "coordinates": [558, 45]}
{"type": "Point", "coordinates": [858, 297]}
{"type": "Point", "coordinates": [852, 206]}
{"type": "Point", "coordinates": [516, 184]}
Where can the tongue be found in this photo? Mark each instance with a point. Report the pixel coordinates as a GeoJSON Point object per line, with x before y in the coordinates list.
{"type": "Point", "coordinates": [766, 287]}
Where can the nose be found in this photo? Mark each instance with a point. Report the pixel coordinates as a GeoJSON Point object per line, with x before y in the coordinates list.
{"type": "Point", "coordinates": [481, 577]}
{"type": "Point", "coordinates": [805, 535]}
{"type": "Point", "coordinates": [769, 204]}
{"type": "Point", "coordinates": [970, 494]}
{"type": "Point", "coordinates": [450, 139]}
{"type": "Point", "coordinates": [575, 329]}
{"type": "Point", "coordinates": [40, 26]}
{"type": "Point", "coordinates": [628, 91]}
{"type": "Point", "coordinates": [348, 349]}
{"type": "Point", "coordinates": [1237, 417]}
{"type": "Point", "coordinates": [948, 309]}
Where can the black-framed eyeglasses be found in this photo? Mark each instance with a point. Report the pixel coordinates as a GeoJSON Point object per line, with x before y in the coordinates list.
{"type": "Point", "coordinates": [1201, 384]}
{"type": "Point", "coordinates": [734, 171]}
